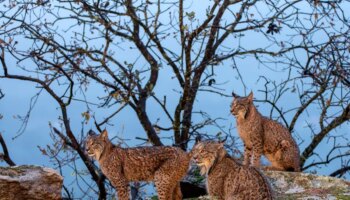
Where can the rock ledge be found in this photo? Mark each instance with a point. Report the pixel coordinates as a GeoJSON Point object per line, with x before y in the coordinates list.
{"type": "Point", "coordinates": [292, 185]}
{"type": "Point", "coordinates": [303, 186]}
{"type": "Point", "coordinates": [29, 182]}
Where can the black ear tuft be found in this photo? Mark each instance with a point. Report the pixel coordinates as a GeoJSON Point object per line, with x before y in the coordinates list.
{"type": "Point", "coordinates": [91, 132]}
{"type": "Point", "coordinates": [235, 95]}
{"type": "Point", "coordinates": [198, 139]}
{"type": "Point", "coordinates": [224, 140]}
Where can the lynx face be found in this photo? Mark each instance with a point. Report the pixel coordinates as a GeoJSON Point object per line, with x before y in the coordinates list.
{"type": "Point", "coordinates": [95, 144]}
{"type": "Point", "coordinates": [240, 105]}
{"type": "Point", "coordinates": [205, 153]}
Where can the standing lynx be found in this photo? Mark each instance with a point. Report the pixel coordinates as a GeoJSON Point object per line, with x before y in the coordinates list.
{"type": "Point", "coordinates": [164, 165]}
{"type": "Point", "coordinates": [261, 135]}
{"type": "Point", "coordinates": [226, 178]}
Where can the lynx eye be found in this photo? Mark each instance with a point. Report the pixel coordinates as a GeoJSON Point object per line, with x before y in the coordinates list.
{"type": "Point", "coordinates": [240, 106]}
{"type": "Point", "coordinates": [95, 144]}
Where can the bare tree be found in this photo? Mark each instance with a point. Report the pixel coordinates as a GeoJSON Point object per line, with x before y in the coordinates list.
{"type": "Point", "coordinates": [1, 94]}
{"type": "Point", "coordinates": [65, 47]}
{"type": "Point", "coordinates": [6, 155]}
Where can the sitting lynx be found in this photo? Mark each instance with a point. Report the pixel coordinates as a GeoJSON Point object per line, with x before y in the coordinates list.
{"type": "Point", "coordinates": [226, 178]}
{"type": "Point", "coordinates": [261, 135]}
{"type": "Point", "coordinates": [164, 165]}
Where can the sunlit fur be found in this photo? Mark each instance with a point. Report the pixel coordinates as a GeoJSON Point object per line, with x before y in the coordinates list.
{"type": "Point", "coordinates": [226, 179]}
{"type": "Point", "coordinates": [205, 154]}
{"type": "Point", "coordinates": [264, 136]}
{"type": "Point", "coordinates": [96, 144]}
{"type": "Point", "coordinates": [240, 107]}
{"type": "Point", "coordinates": [163, 165]}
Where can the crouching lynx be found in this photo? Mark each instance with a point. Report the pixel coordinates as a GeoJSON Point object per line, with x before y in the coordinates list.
{"type": "Point", "coordinates": [261, 135]}
{"type": "Point", "coordinates": [164, 165]}
{"type": "Point", "coordinates": [226, 178]}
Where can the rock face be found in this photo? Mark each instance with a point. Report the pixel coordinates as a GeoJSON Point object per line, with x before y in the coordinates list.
{"type": "Point", "coordinates": [303, 186]}
{"type": "Point", "coordinates": [291, 185]}
{"type": "Point", "coordinates": [29, 182]}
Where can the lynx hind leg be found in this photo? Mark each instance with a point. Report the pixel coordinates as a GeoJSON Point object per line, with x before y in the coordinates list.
{"type": "Point", "coordinates": [290, 162]}
{"type": "Point", "coordinates": [276, 162]}
{"type": "Point", "coordinates": [296, 166]}
{"type": "Point", "coordinates": [289, 157]}
{"type": "Point", "coordinates": [284, 145]}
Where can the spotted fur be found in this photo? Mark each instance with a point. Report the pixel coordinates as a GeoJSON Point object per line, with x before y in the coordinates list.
{"type": "Point", "coordinates": [226, 178]}
{"type": "Point", "coordinates": [263, 136]}
{"type": "Point", "coordinates": [164, 165]}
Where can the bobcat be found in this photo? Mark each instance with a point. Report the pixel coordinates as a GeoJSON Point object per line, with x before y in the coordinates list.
{"type": "Point", "coordinates": [164, 165]}
{"type": "Point", "coordinates": [226, 178]}
{"type": "Point", "coordinates": [261, 135]}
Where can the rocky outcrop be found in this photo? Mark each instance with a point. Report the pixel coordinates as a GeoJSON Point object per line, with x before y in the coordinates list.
{"type": "Point", "coordinates": [291, 185]}
{"type": "Point", "coordinates": [302, 186]}
{"type": "Point", "coordinates": [29, 182]}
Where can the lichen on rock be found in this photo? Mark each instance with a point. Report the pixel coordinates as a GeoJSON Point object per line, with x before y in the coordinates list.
{"type": "Point", "coordinates": [29, 182]}
{"type": "Point", "coordinates": [305, 186]}
{"type": "Point", "coordinates": [293, 185]}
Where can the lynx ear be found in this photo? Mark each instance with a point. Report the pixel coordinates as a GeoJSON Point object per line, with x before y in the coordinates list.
{"type": "Point", "coordinates": [234, 94]}
{"type": "Point", "coordinates": [198, 139]}
{"type": "Point", "coordinates": [91, 132]}
{"type": "Point", "coordinates": [251, 96]}
{"type": "Point", "coordinates": [104, 134]}
{"type": "Point", "coordinates": [223, 141]}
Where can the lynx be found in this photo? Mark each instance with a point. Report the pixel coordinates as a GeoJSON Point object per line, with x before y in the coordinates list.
{"type": "Point", "coordinates": [261, 135]}
{"type": "Point", "coordinates": [164, 165]}
{"type": "Point", "coordinates": [226, 178]}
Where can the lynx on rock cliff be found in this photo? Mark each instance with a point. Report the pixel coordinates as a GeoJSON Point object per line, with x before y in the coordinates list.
{"type": "Point", "coordinates": [164, 165]}
{"type": "Point", "coordinates": [261, 135]}
{"type": "Point", "coordinates": [226, 178]}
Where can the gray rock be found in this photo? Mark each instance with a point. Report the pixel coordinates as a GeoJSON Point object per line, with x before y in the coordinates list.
{"type": "Point", "coordinates": [292, 185]}
{"type": "Point", "coordinates": [29, 182]}
{"type": "Point", "coordinates": [304, 186]}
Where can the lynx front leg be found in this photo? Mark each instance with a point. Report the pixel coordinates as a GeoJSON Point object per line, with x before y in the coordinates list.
{"type": "Point", "coordinates": [247, 155]}
{"type": "Point", "coordinates": [177, 195]}
{"type": "Point", "coordinates": [164, 188]}
{"type": "Point", "coordinates": [121, 185]}
{"type": "Point", "coordinates": [257, 151]}
{"type": "Point", "coordinates": [123, 189]}
{"type": "Point", "coordinates": [123, 192]}
{"type": "Point", "coordinates": [166, 180]}
{"type": "Point", "coordinates": [236, 197]}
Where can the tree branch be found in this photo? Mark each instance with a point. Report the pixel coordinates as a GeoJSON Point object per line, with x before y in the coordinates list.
{"type": "Point", "coordinates": [319, 137]}
{"type": "Point", "coordinates": [5, 156]}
